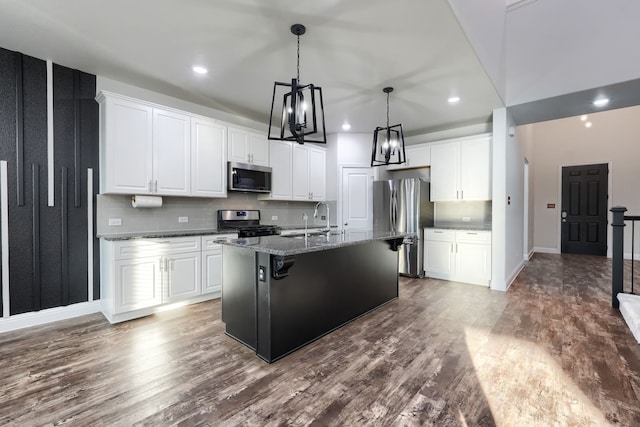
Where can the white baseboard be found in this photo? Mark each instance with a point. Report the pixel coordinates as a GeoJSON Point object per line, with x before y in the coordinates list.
{"type": "Point", "coordinates": [546, 250]}
{"type": "Point", "coordinates": [527, 256]}
{"type": "Point", "coordinates": [514, 274]}
{"type": "Point", "coordinates": [35, 318]}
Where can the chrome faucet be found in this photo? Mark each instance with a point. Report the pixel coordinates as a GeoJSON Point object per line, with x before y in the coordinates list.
{"type": "Point", "coordinates": [315, 213]}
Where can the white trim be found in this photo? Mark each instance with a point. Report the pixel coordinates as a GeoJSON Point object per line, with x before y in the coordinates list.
{"type": "Point", "coordinates": [512, 277]}
{"type": "Point", "coordinates": [35, 318]}
{"type": "Point", "coordinates": [528, 255]}
{"type": "Point", "coordinates": [50, 154]}
{"type": "Point", "coordinates": [4, 229]}
{"type": "Point", "coordinates": [538, 249]}
{"type": "Point", "coordinates": [90, 234]}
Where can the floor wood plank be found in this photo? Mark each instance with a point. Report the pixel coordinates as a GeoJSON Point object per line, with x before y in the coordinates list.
{"type": "Point", "coordinates": [550, 351]}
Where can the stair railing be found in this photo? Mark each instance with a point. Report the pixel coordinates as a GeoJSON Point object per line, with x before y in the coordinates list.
{"type": "Point", "coordinates": [617, 269]}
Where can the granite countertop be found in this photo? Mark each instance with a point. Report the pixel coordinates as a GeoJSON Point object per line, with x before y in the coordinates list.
{"type": "Point", "coordinates": [462, 227]}
{"type": "Point", "coordinates": [310, 227]}
{"type": "Point", "coordinates": [283, 246]}
{"type": "Point", "coordinates": [162, 234]}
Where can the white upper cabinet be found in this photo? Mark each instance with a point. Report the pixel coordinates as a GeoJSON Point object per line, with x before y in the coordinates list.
{"type": "Point", "coordinates": [475, 169]}
{"type": "Point", "coordinates": [301, 189]}
{"type": "Point", "coordinates": [280, 154]}
{"type": "Point", "coordinates": [208, 158]}
{"type": "Point", "coordinates": [150, 149]}
{"type": "Point", "coordinates": [171, 153]}
{"type": "Point", "coordinates": [247, 147]}
{"type": "Point", "coordinates": [144, 150]}
{"type": "Point", "coordinates": [125, 146]}
{"type": "Point", "coordinates": [309, 173]}
{"type": "Point", "coordinates": [418, 156]}
{"type": "Point", "coordinates": [461, 170]}
{"type": "Point", "coordinates": [318, 174]}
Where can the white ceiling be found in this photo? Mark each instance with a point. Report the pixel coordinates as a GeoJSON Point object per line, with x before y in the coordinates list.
{"type": "Point", "coordinates": [352, 49]}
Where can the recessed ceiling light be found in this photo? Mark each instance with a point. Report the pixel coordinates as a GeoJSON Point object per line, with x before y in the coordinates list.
{"type": "Point", "coordinates": [601, 102]}
{"type": "Point", "coordinates": [453, 100]}
{"type": "Point", "coordinates": [198, 69]}
{"type": "Point", "coordinates": [346, 126]}
{"type": "Point", "coordinates": [583, 117]}
{"type": "Point", "coordinates": [588, 124]}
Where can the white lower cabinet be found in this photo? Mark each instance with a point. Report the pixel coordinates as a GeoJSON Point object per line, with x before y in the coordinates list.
{"type": "Point", "coordinates": [212, 263]}
{"type": "Point", "coordinates": [137, 284]}
{"type": "Point", "coordinates": [140, 275]}
{"type": "Point", "coordinates": [458, 255]}
{"type": "Point", "coordinates": [182, 276]}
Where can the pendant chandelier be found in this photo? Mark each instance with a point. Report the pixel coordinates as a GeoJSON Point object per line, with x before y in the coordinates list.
{"type": "Point", "coordinates": [300, 115]}
{"type": "Point", "coordinates": [388, 142]}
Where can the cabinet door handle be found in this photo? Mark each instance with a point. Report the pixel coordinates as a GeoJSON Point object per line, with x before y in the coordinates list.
{"type": "Point", "coordinates": [438, 232]}
{"type": "Point", "coordinates": [156, 187]}
{"type": "Point", "coordinates": [452, 248]}
{"type": "Point", "coordinates": [462, 194]}
{"type": "Point", "coordinates": [161, 264]}
{"type": "Point", "coordinates": [457, 194]}
{"type": "Point", "coordinates": [472, 234]}
{"type": "Point", "coordinates": [150, 186]}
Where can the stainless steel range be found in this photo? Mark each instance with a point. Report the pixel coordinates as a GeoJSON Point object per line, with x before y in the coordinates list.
{"type": "Point", "coordinates": [246, 223]}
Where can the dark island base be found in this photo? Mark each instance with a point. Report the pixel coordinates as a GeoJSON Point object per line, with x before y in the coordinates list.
{"type": "Point", "coordinates": [318, 293]}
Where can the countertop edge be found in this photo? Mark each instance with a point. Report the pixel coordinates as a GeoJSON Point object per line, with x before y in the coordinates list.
{"type": "Point", "coordinates": [161, 234]}
{"type": "Point", "coordinates": [264, 247]}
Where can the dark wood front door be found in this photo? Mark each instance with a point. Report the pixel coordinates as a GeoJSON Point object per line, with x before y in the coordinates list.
{"type": "Point", "coordinates": [584, 209]}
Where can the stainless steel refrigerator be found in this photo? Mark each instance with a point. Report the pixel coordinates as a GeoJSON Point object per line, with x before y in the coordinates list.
{"type": "Point", "coordinates": [403, 205]}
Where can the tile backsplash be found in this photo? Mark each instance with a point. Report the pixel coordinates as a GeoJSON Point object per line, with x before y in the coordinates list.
{"type": "Point", "coordinates": [200, 213]}
{"type": "Point", "coordinates": [476, 214]}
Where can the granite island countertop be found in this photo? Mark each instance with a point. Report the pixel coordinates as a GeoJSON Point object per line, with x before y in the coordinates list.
{"type": "Point", "coordinates": [294, 245]}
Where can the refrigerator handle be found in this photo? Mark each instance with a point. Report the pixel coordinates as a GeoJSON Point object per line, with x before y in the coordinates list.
{"type": "Point", "coordinates": [394, 209]}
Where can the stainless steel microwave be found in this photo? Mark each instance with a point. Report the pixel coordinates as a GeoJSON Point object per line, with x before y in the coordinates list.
{"type": "Point", "coordinates": [248, 177]}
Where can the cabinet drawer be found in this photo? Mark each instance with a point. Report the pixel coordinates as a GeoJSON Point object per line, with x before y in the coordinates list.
{"type": "Point", "coordinates": [470, 236]}
{"type": "Point", "coordinates": [137, 248]}
{"type": "Point", "coordinates": [211, 242]}
{"type": "Point", "coordinates": [435, 234]}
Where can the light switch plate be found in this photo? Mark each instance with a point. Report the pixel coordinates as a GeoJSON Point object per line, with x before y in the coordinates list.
{"type": "Point", "coordinates": [274, 217]}
{"type": "Point", "coordinates": [183, 219]}
{"type": "Point", "coordinates": [115, 222]}
{"type": "Point", "coordinates": [466, 218]}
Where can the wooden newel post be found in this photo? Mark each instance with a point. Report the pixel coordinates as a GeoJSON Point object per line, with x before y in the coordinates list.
{"type": "Point", "coordinates": [617, 225]}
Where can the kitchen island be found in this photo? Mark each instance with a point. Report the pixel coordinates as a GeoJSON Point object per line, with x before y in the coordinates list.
{"type": "Point", "coordinates": [281, 293]}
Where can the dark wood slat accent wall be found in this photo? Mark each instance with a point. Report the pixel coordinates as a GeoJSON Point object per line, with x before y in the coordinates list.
{"type": "Point", "coordinates": [77, 175]}
{"type": "Point", "coordinates": [7, 114]}
{"type": "Point", "coordinates": [48, 264]}
{"type": "Point", "coordinates": [35, 234]}
{"type": "Point", "coordinates": [23, 291]}
{"type": "Point", "coordinates": [64, 227]}
{"type": "Point", "coordinates": [19, 130]}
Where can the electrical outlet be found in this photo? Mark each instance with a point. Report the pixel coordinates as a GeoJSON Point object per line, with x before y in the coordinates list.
{"type": "Point", "coordinates": [183, 219]}
{"type": "Point", "coordinates": [115, 222]}
{"type": "Point", "coordinates": [466, 218]}
{"type": "Point", "coordinates": [323, 217]}
{"type": "Point", "coordinates": [274, 217]}
{"type": "Point", "coordinates": [305, 217]}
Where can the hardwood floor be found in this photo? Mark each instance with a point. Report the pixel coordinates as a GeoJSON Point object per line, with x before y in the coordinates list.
{"type": "Point", "coordinates": [550, 351]}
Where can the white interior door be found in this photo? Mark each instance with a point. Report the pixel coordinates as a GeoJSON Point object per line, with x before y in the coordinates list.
{"type": "Point", "coordinates": [357, 198]}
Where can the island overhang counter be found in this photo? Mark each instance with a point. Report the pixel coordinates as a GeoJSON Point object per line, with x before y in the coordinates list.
{"type": "Point", "coordinates": [281, 293]}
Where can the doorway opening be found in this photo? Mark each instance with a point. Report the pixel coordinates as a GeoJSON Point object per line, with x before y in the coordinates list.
{"type": "Point", "coordinates": [584, 209]}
